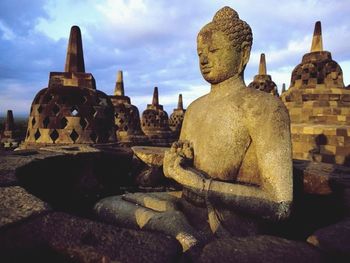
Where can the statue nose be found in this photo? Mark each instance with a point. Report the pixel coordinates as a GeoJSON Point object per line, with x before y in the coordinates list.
{"type": "Point", "coordinates": [204, 59]}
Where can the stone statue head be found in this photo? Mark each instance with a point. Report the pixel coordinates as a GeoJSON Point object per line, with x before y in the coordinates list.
{"type": "Point", "coordinates": [223, 46]}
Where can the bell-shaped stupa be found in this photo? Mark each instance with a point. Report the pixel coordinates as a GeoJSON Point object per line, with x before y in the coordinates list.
{"type": "Point", "coordinates": [10, 136]}
{"type": "Point", "coordinates": [70, 110]}
{"type": "Point", "coordinates": [126, 116]}
{"type": "Point", "coordinates": [155, 123]}
{"type": "Point", "coordinates": [177, 117]}
{"type": "Point", "coordinates": [262, 81]}
{"type": "Point", "coordinates": [319, 107]}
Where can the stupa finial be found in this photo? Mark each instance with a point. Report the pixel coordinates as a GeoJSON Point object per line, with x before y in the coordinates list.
{"type": "Point", "coordinates": [317, 44]}
{"type": "Point", "coordinates": [75, 55]}
{"type": "Point", "coordinates": [155, 100]}
{"type": "Point", "coordinates": [119, 86]}
{"type": "Point", "coordinates": [9, 124]}
{"type": "Point", "coordinates": [262, 65]}
{"type": "Point", "coordinates": [179, 103]}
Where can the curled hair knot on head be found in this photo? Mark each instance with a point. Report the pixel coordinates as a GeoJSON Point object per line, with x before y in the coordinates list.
{"type": "Point", "coordinates": [238, 31]}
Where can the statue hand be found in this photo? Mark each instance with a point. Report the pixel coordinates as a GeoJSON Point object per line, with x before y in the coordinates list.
{"type": "Point", "coordinates": [178, 165]}
{"type": "Point", "coordinates": [183, 149]}
{"type": "Point", "coordinates": [180, 153]}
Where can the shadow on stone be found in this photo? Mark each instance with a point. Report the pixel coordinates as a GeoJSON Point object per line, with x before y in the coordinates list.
{"type": "Point", "coordinates": [59, 237]}
{"type": "Point", "coordinates": [318, 200]}
{"type": "Point", "coordinates": [74, 182]}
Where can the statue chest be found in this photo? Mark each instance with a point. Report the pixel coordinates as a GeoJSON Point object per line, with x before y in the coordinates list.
{"type": "Point", "coordinates": [220, 142]}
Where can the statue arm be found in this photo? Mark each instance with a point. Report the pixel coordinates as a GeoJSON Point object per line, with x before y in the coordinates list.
{"type": "Point", "coordinates": [273, 198]}
{"type": "Point", "coordinates": [274, 154]}
{"type": "Point", "coordinates": [249, 199]}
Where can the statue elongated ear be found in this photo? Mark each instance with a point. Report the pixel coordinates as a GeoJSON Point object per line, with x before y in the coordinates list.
{"type": "Point", "coordinates": [245, 49]}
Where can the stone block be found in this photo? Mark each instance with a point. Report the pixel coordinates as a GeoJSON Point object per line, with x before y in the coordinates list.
{"type": "Point", "coordinates": [334, 240]}
{"type": "Point", "coordinates": [17, 204]}
{"type": "Point", "coordinates": [59, 237]}
{"type": "Point", "coordinates": [259, 249]}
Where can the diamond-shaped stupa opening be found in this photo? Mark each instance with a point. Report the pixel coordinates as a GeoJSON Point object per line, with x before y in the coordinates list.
{"type": "Point", "coordinates": [83, 123]}
{"type": "Point", "coordinates": [63, 123]}
{"type": "Point", "coordinates": [46, 122]}
{"type": "Point", "coordinates": [54, 135]}
{"type": "Point", "coordinates": [74, 111]}
{"type": "Point", "coordinates": [37, 134]}
{"type": "Point", "coordinates": [55, 109]}
{"type": "Point", "coordinates": [74, 135]}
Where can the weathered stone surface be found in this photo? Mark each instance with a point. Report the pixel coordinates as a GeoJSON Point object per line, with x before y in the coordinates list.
{"type": "Point", "coordinates": [63, 238]}
{"type": "Point", "coordinates": [7, 171]}
{"type": "Point", "coordinates": [17, 204]}
{"type": "Point", "coordinates": [152, 156]}
{"type": "Point", "coordinates": [334, 240]}
{"type": "Point", "coordinates": [259, 249]}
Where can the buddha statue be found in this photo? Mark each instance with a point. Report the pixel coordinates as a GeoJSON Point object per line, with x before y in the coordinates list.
{"type": "Point", "coordinates": [177, 117]}
{"type": "Point", "coordinates": [234, 156]}
{"type": "Point", "coordinates": [262, 81]}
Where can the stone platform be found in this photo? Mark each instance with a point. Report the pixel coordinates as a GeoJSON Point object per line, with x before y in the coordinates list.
{"type": "Point", "coordinates": [59, 226]}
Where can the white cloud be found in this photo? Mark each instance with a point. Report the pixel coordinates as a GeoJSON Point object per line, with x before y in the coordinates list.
{"type": "Point", "coordinates": [154, 42]}
{"type": "Point", "coordinates": [7, 33]}
{"type": "Point", "coordinates": [63, 14]}
{"type": "Point", "coordinates": [345, 65]}
{"type": "Point", "coordinates": [131, 13]}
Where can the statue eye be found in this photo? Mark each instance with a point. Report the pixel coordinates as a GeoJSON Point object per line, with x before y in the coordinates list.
{"type": "Point", "coordinates": [200, 53]}
{"type": "Point", "coordinates": [213, 50]}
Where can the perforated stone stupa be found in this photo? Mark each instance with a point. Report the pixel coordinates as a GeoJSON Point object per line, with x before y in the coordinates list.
{"type": "Point", "coordinates": [70, 110]}
{"type": "Point", "coordinates": [262, 81]}
{"type": "Point", "coordinates": [126, 116]}
{"type": "Point", "coordinates": [155, 122]}
{"type": "Point", "coordinates": [177, 117]}
{"type": "Point", "coordinates": [319, 107]}
{"type": "Point", "coordinates": [9, 137]}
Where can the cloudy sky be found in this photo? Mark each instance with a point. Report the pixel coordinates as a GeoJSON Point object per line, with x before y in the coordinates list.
{"type": "Point", "coordinates": [154, 43]}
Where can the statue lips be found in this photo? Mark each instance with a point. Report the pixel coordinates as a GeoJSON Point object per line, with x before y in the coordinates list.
{"type": "Point", "coordinates": [205, 70]}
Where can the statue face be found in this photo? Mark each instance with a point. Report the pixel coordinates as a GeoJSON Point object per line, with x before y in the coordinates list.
{"type": "Point", "coordinates": [218, 59]}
